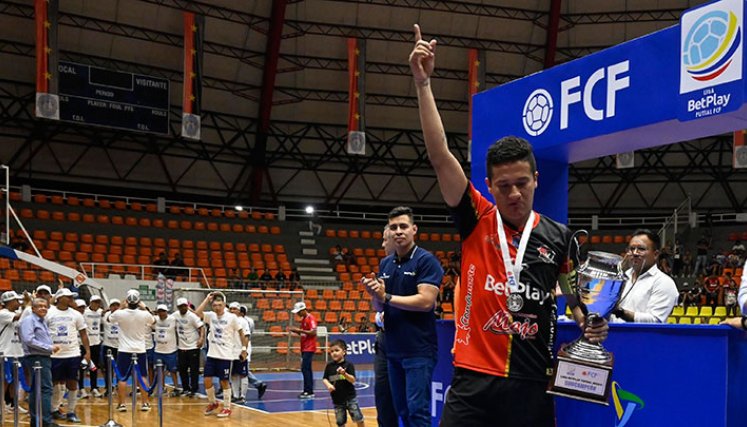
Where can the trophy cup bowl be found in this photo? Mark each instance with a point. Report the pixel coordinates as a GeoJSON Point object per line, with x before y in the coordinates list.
{"type": "Point", "coordinates": [584, 369]}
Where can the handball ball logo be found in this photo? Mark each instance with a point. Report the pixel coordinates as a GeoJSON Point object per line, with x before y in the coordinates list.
{"type": "Point", "coordinates": [537, 112]}
{"type": "Point", "coordinates": [710, 45]}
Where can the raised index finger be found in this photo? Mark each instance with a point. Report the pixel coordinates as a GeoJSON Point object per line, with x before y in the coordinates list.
{"type": "Point", "coordinates": [418, 37]}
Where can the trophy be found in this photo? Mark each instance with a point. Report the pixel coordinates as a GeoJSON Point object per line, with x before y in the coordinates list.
{"type": "Point", "coordinates": [584, 370]}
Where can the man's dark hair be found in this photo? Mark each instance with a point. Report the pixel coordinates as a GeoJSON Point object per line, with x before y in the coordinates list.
{"type": "Point", "coordinates": [399, 211]}
{"type": "Point", "coordinates": [509, 149]}
{"type": "Point", "coordinates": [339, 343]}
{"type": "Point", "coordinates": [651, 236]}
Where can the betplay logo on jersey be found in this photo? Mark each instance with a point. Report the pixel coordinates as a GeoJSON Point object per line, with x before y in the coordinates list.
{"type": "Point", "coordinates": [711, 46]}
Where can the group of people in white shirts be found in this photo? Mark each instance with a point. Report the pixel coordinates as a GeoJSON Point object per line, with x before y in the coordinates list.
{"type": "Point", "coordinates": [86, 333]}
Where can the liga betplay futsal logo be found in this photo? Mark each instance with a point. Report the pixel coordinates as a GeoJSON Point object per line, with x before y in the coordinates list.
{"type": "Point", "coordinates": [626, 403]}
{"type": "Point", "coordinates": [711, 46]}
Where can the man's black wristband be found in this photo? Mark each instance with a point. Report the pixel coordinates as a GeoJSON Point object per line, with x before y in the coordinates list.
{"type": "Point", "coordinates": [744, 323]}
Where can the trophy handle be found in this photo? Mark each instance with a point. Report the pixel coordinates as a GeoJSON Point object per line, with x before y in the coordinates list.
{"type": "Point", "coordinates": [570, 286]}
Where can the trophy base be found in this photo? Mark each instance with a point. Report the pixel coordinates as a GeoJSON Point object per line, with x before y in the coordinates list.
{"type": "Point", "coordinates": [581, 380]}
{"type": "Point", "coordinates": [111, 423]}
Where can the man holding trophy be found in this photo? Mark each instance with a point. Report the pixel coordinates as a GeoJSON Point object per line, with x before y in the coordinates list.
{"type": "Point", "coordinates": [512, 258]}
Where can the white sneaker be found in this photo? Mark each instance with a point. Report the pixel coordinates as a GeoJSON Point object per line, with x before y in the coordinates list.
{"type": "Point", "coordinates": [97, 393]}
{"type": "Point", "coordinates": [83, 394]}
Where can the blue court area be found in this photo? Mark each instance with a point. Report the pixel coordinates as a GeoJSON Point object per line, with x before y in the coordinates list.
{"type": "Point", "coordinates": [283, 389]}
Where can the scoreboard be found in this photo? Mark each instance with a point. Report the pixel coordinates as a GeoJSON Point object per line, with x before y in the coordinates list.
{"type": "Point", "coordinates": [115, 99]}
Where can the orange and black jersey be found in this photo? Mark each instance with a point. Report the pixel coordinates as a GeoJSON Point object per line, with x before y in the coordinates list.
{"type": "Point", "coordinates": [501, 331]}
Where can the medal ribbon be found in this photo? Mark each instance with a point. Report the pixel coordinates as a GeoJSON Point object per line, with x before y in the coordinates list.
{"type": "Point", "coordinates": [513, 270]}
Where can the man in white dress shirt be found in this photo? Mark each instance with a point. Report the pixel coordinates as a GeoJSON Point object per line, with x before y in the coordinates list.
{"type": "Point", "coordinates": [649, 295]}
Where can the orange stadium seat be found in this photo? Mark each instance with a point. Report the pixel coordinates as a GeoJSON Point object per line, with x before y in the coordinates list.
{"type": "Point", "coordinates": [329, 233]}
{"type": "Point", "coordinates": [250, 228]}
{"type": "Point", "coordinates": [131, 221]}
{"type": "Point", "coordinates": [58, 216]}
{"type": "Point", "coordinates": [330, 317]}
{"type": "Point", "coordinates": [354, 234]}
{"type": "Point", "coordinates": [120, 205]}
{"type": "Point", "coordinates": [269, 216]}
{"type": "Point", "coordinates": [136, 206]}
{"type": "Point", "coordinates": [224, 227]}
{"type": "Point", "coordinates": [144, 222]}
{"type": "Point", "coordinates": [105, 204]}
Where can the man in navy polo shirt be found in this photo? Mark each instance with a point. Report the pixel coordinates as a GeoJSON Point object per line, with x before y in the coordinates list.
{"type": "Point", "coordinates": [406, 291]}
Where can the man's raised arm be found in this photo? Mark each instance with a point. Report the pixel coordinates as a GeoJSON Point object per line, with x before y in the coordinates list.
{"type": "Point", "coordinates": [451, 178]}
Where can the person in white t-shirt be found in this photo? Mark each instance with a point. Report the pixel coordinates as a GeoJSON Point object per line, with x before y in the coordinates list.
{"type": "Point", "coordinates": [150, 352]}
{"type": "Point", "coordinates": [132, 321]}
{"type": "Point", "coordinates": [65, 326]}
{"type": "Point", "coordinates": [10, 343]}
{"type": "Point", "coordinates": [165, 350]}
{"type": "Point", "coordinates": [221, 350]}
{"type": "Point", "coordinates": [250, 378]}
{"type": "Point", "coordinates": [190, 332]}
{"type": "Point", "coordinates": [109, 338]}
{"type": "Point", "coordinates": [239, 366]}
{"type": "Point", "coordinates": [92, 314]}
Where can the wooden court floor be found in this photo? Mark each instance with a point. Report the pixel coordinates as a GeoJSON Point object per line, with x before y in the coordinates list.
{"type": "Point", "coordinates": [179, 412]}
{"type": "Point", "coordinates": [279, 407]}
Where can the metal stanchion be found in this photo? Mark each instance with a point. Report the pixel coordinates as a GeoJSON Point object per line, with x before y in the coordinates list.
{"type": "Point", "coordinates": [2, 387]}
{"type": "Point", "coordinates": [37, 389]}
{"type": "Point", "coordinates": [160, 379]}
{"type": "Point", "coordinates": [16, 387]}
{"type": "Point", "coordinates": [134, 375]}
{"type": "Point", "coordinates": [109, 389]}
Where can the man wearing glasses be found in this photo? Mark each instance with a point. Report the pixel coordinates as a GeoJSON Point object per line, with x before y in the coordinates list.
{"type": "Point", "coordinates": [649, 294]}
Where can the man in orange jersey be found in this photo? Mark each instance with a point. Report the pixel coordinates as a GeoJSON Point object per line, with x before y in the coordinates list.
{"type": "Point", "coordinates": [512, 258]}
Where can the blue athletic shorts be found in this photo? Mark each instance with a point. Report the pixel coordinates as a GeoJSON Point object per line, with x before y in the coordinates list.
{"type": "Point", "coordinates": [169, 361]}
{"type": "Point", "coordinates": [124, 360]}
{"type": "Point", "coordinates": [65, 369]}
{"type": "Point", "coordinates": [240, 367]}
{"type": "Point", "coordinates": [217, 368]}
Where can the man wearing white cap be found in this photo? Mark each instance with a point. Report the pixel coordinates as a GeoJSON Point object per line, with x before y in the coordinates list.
{"type": "Point", "coordinates": [223, 329]}
{"type": "Point", "coordinates": [190, 332]}
{"type": "Point", "coordinates": [165, 350]}
{"type": "Point", "coordinates": [110, 338]}
{"type": "Point", "coordinates": [65, 325]}
{"type": "Point", "coordinates": [307, 332]}
{"type": "Point", "coordinates": [42, 291]}
{"type": "Point", "coordinates": [92, 315]}
{"type": "Point", "coordinates": [10, 342]}
{"type": "Point", "coordinates": [134, 323]}
{"type": "Point", "coordinates": [80, 307]}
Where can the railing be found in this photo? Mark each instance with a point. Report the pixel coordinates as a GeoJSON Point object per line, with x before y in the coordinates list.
{"type": "Point", "coordinates": [191, 272]}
